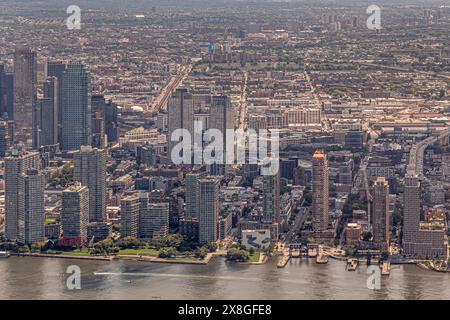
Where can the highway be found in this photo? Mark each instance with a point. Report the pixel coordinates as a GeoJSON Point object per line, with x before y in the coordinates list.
{"type": "Point", "coordinates": [415, 165]}
{"type": "Point", "coordinates": [161, 101]}
{"type": "Point", "coordinates": [326, 125]}
{"type": "Point", "coordinates": [361, 181]}
{"type": "Point", "coordinates": [401, 69]}
{"type": "Point", "coordinates": [241, 121]}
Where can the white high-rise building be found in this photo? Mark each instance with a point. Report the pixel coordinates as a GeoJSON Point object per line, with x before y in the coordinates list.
{"type": "Point", "coordinates": [16, 167]}
{"type": "Point", "coordinates": [34, 183]}
{"type": "Point", "coordinates": [129, 216]}
{"type": "Point", "coordinates": [75, 214]}
{"type": "Point", "coordinates": [90, 171]}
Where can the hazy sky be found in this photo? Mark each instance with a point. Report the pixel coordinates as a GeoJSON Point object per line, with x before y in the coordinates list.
{"type": "Point", "coordinates": [144, 3]}
{"type": "Point", "coordinates": [29, 6]}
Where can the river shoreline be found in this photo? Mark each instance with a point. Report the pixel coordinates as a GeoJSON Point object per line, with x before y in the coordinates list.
{"type": "Point", "coordinates": [263, 260]}
{"type": "Point", "coordinates": [423, 266]}
{"type": "Point", "coordinates": [204, 261]}
{"type": "Point", "coordinates": [62, 256]}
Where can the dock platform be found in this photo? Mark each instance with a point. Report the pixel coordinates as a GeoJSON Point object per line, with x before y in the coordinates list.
{"type": "Point", "coordinates": [283, 261]}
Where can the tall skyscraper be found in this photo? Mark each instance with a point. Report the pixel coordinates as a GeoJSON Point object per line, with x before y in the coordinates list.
{"type": "Point", "coordinates": [75, 215]}
{"type": "Point", "coordinates": [287, 167]}
{"type": "Point", "coordinates": [111, 124]}
{"type": "Point", "coordinates": [25, 91]}
{"type": "Point", "coordinates": [411, 213]}
{"type": "Point", "coordinates": [9, 83]}
{"type": "Point", "coordinates": [90, 171]}
{"type": "Point", "coordinates": [11, 132]}
{"type": "Point", "coordinates": [412, 199]}
{"type": "Point", "coordinates": [3, 104]}
{"type": "Point", "coordinates": [208, 209]}
{"type": "Point", "coordinates": [98, 105]}
{"type": "Point", "coordinates": [420, 241]}
{"type": "Point", "coordinates": [181, 115]}
{"type": "Point", "coordinates": [154, 221]}
{"type": "Point", "coordinates": [16, 167]}
{"type": "Point", "coordinates": [381, 219]}
{"type": "Point", "coordinates": [320, 185]}
{"type": "Point", "coordinates": [129, 217]}
{"type": "Point", "coordinates": [192, 194]}
{"type": "Point", "coordinates": [271, 198]}
{"type": "Point", "coordinates": [49, 114]}
{"type": "Point", "coordinates": [221, 114]}
{"type": "Point", "coordinates": [56, 69]}
{"type": "Point", "coordinates": [98, 131]}
{"type": "Point", "coordinates": [4, 138]}
{"type": "Point", "coordinates": [76, 110]}
{"type": "Point", "coordinates": [221, 117]}
{"type": "Point", "coordinates": [34, 184]}
{"type": "Point", "coordinates": [40, 103]}
{"type": "Point", "coordinates": [45, 117]}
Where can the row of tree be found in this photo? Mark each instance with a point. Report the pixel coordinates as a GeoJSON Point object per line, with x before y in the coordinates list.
{"type": "Point", "coordinates": [169, 246]}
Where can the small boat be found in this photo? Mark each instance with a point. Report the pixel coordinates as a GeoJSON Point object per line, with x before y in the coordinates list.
{"type": "Point", "coordinates": [4, 254]}
{"type": "Point", "coordinates": [386, 268]}
{"type": "Point", "coordinates": [312, 253]}
{"type": "Point", "coordinates": [322, 259]}
{"type": "Point", "coordinates": [295, 254]}
{"type": "Point", "coordinates": [352, 264]}
{"type": "Point", "coordinates": [283, 261]}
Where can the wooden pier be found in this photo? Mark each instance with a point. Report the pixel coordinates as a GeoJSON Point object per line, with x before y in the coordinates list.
{"type": "Point", "coordinates": [283, 261]}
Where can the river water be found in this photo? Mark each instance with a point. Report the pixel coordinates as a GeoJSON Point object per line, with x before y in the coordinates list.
{"type": "Point", "coordinates": [45, 278]}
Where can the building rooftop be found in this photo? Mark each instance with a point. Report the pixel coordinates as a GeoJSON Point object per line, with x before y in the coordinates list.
{"type": "Point", "coordinates": [75, 188]}
{"type": "Point", "coordinates": [319, 154]}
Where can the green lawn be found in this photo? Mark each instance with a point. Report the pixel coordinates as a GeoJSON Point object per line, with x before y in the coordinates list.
{"type": "Point", "coordinates": [152, 253]}
{"type": "Point", "coordinates": [254, 257]}
{"type": "Point", "coordinates": [77, 253]}
{"type": "Point", "coordinates": [139, 252]}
